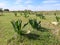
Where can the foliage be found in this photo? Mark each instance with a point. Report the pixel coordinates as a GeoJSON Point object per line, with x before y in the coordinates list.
{"type": "Point", "coordinates": [15, 13]}
{"type": "Point", "coordinates": [57, 18]}
{"type": "Point", "coordinates": [26, 13]}
{"type": "Point", "coordinates": [17, 25]}
{"type": "Point", "coordinates": [19, 29]}
{"type": "Point", "coordinates": [6, 10]}
{"type": "Point", "coordinates": [1, 11]}
{"type": "Point", "coordinates": [41, 16]}
{"type": "Point", "coordinates": [35, 24]}
{"type": "Point", "coordinates": [6, 32]}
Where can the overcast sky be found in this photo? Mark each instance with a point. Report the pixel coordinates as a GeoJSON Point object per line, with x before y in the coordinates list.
{"type": "Point", "coordinates": [30, 4]}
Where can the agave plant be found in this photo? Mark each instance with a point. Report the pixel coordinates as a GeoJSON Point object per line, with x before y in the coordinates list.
{"type": "Point", "coordinates": [41, 16]}
{"type": "Point", "coordinates": [15, 13]}
{"type": "Point", "coordinates": [26, 13]}
{"type": "Point", "coordinates": [35, 24]}
{"type": "Point", "coordinates": [17, 25]}
{"type": "Point", "coordinates": [18, 28]}
{"type": "Point", "coordinates": [57, 18]}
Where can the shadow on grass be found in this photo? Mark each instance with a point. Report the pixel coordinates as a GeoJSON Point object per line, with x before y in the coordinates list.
{"type": "Point", "coordinates": [42, 29]}
{"type": "Point", "coordinates": [31, 36]}
{"type": "Point", "coordinates": [23, 37]}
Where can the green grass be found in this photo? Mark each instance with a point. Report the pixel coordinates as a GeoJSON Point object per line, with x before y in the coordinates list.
{"type": "Point", "coordinates": [7, 31]}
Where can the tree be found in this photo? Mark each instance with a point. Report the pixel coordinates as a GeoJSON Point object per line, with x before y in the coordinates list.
{"type": "Point", "coordinates": [1, 11]}
{"type": "Point", "coordinates": [6, 10]}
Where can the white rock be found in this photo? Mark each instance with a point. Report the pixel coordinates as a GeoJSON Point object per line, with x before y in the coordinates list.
{"type": "Point", "coordinates": [54, 23]}
{"type": "Point", "coordinates": [28, 32]}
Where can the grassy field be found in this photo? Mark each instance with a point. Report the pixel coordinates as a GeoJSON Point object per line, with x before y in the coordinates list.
{"type": "Point", "coordinates": [45, 38]}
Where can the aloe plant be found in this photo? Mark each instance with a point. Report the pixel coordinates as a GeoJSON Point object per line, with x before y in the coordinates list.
{"type": "Point", "coordinates": [57, 18]}
{"type": "Point", "coordinates": [26, 13]}
{"type": "Point", "coordinates": [15, 13]}
{"type": "Point", "coordinates": [17, 25]}
{"type": "Point", "coordinates": [35, 24]}
{"type": "Point", "coordinates": [18, 28]}
{"type": "Point", "coordinates": [41, 16]}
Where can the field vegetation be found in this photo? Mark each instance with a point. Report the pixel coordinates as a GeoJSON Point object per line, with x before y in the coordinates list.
{"type": "Point", "coordinates": [29, 27]}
